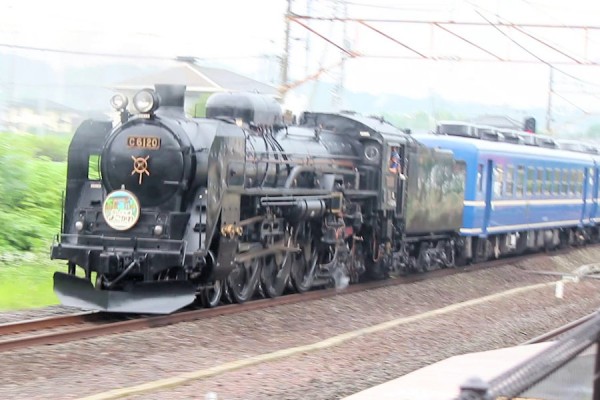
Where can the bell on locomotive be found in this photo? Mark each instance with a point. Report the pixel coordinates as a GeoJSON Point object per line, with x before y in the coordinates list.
{"type": "Point", "coordinates": [129, 231]}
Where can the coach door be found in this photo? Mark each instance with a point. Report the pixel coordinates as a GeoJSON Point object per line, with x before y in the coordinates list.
{"type": "Point", "coordinates": [587, 194]}
{"type": "Point", "coordinates": [489, 189]}
{"type": "Point", "coordinates": [592, 184]}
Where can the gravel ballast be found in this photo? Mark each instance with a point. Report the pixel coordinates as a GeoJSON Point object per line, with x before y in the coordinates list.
{"type": "Point", "coordinates": [96, 365]}
{"type": "Point", "coordinates": [35, 313]}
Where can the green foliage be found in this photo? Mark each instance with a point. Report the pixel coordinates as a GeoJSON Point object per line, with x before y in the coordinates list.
{"type": "Point", "coordinates": [199, 110]}
{"type": "Point", "coordinates": [94, 167]}
{"type": "Point", "coordinates": [27, 283]}
{"type": "Point", "coordinates": [53, 147]}
{"type": "Point", "coordinates": [593, 132]}
{"type": "Point", "coordinates": [31, 186]}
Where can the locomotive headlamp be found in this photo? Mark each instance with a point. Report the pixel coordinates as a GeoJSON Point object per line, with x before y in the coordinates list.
{"type": "Point", "coordinates": [79, 226]}
{"type": "Point", "coordinates": [158, 230]}
{"type": "Point", "coordinates": [119, 102]}
{"type": "Point", "coordinates": [145, 101]}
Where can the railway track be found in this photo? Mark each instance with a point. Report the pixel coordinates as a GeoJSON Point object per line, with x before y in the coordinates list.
{"type": "Point", "coordinates": [66, 328]}
{"type": "Point", "coordinates": [555, 333]}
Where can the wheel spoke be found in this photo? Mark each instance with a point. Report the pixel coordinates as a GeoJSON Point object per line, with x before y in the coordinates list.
{"type": "Point", "coordinates": [211, 296]}
{"type": "Point", "coordinates": [243, 280]}
{"type": "Point", "coordinates": [275, 274]}
{"type": "Point", "coordinates": [303, 270]}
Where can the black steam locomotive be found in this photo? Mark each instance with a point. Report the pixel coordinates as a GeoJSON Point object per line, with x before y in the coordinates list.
{"type": "Point", "coordinates": [238, 203]}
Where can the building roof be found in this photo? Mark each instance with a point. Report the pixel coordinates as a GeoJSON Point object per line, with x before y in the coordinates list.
{"type": "Point", "coordinates": [499, 121]}
{"type": "Point", "coordinates": [199, 79]}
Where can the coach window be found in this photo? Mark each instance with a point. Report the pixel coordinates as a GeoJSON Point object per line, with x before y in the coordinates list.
{"type": "Point", "coordinates": [498, 180]}
{"type": "Point", "coordinates": [590, 183]}
{"type": "Point", "coordinates": [556, 184]}
{"type": "Point", "coordinates": [520, 179]}
{"type": "Point", "coordinates": [510, 176]}
{"type": "Point", "coordinates": [480, 177]}
{"type": "Point", "coordinates": [561, 181]}
{"type": "Point", "coordinates": [574, 184]}
{"type": "Point", "coordinates": [540, 181]}
{"type": "Point", "coordinates": [530, 180]}
{"type": "Point", "coordinates": [564, 181]}
{"type": "Point", "coordinates": [580, 182]}
{"type": "Point", "coordinates": [548, 181]}
{"type": "Point", "coordinates": [572, 181]}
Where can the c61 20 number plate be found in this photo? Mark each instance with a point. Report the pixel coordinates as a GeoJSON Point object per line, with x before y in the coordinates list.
{"type": "Point", "coordinates": [144, 142]}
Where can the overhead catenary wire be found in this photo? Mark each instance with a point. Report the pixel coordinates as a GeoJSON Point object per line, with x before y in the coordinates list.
{"type": "Point", "coordinates": [506, 23]}
{"type": "Point", "coordinates": [443, 25]}
{"type": "Point", "coordinates": [120, 55]}
{"type": "Point", "coordinates": [542, 61]}
{"type": "Point", "coordinates": [443, 22]}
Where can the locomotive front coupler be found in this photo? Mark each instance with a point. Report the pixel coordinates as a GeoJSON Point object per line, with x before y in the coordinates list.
{"type": "Point", "coordinates": [112, 263]}
{"type": "Point", "coordinates": [133, 264]}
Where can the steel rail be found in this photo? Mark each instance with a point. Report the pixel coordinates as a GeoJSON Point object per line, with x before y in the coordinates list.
{"type": "Point", "coordinates": [106, 328]}
{"type": "Point", "coordinates": [560, 330]}
{"type": "Point", "coordinates": [11, 328]}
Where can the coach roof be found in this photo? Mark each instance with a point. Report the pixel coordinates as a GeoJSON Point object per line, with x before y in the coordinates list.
{"type": "Point", "coordinates": [491, 147]}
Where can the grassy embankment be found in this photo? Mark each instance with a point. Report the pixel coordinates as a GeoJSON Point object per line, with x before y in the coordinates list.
{"type": "Point", "coordinates": [32, 179]}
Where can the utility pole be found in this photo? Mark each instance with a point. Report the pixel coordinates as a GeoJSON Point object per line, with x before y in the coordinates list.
{"type": "Point", "coordinates": [549, 107]}
{"type": "Point", "coordinates": [308, 34]}
{"type": "Point", "coordinates": [285, 58]}
{"type": "Point", "coordinates": [338, 90]}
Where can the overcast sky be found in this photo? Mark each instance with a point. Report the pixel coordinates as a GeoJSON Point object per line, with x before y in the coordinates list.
{"type": "Point", "coordinates": [242, 33]}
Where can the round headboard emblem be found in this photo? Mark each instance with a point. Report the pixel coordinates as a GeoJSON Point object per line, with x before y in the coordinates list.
{"type": "Point", "coordinates": [121, 210]}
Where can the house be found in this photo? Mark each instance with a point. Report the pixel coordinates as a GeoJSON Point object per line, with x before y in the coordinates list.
{"type": "Point", "coordinates": [39, 116]}
{"type": "Point", "coordinates": [200, 82]}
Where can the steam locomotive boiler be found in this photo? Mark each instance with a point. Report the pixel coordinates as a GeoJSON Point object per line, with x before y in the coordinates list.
{"type": "Point", "coordinates": [237, 204]}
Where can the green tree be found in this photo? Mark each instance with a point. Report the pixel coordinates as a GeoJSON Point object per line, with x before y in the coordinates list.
{"type": "Point", "coordinates": [199, 108]}
{"type": "Point", "coordinates": [593, 131]}
{"type": "Point", "coordinates": [30, 191]}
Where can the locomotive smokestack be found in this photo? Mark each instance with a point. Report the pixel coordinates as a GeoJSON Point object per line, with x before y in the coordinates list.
{"type": "Point", "coordinates": [171, 99]}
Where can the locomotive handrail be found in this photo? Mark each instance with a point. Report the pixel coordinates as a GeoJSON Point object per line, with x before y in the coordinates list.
{"type": "Point", "coordinates": [343, 157]}
{"type": "Point", "coordinates": [277, 191]}
{"type": "Point", "coordinates": [284, 199]}
{"type": "Point", "coordinates": [304, 161]}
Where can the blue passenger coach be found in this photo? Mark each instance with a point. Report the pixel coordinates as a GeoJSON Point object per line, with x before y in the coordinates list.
{"type": "Point", "coordinates": [519, 195]}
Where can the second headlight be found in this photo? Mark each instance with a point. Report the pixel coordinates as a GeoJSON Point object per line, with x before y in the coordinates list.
{"type": "Point", "coordinates": [146, 101]}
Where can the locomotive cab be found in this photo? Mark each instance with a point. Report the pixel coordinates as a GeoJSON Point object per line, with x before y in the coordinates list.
{"type": "Point", "coordinates": [394, 172]}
